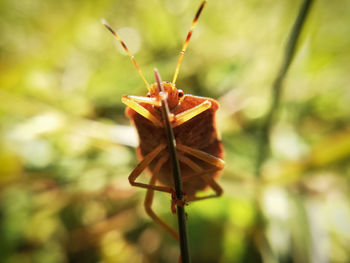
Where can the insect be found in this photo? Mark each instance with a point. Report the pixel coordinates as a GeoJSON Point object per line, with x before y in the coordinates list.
{"type": "Point", "coordinates": [199, 150]}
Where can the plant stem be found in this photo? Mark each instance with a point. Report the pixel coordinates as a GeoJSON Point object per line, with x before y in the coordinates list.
{"type": "Point", "coordinates": [181, 215]}
{"type": "Point", "coordinates": [277, 85]}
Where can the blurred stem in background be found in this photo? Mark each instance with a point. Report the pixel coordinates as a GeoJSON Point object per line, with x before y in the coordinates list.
{"type": "Point", "coordinates": [264, 139]}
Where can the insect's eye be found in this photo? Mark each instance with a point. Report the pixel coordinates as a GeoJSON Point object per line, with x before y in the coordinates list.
{"type": "Point", "coordinates": [181, 93]}
{"type": "Point", "coordinates": [148, 95]}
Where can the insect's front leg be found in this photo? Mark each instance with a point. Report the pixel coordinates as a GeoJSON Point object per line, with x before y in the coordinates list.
{"type": "Point", "coordinates": [133, 103]}
{"type": "Point", "coordinates": [190, 113]}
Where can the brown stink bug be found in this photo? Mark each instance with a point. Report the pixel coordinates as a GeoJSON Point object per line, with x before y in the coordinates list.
{"type": "Point", "coordinates": [199, 150]}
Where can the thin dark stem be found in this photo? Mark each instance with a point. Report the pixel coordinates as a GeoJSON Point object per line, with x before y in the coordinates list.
{"type": "Point", "coordinates": [277, 85]}
{"type": "Point", "coordinates": [181, 215]}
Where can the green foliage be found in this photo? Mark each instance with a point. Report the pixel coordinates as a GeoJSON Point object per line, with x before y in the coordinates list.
{"type": "Point", "coordinates": [66, 147]}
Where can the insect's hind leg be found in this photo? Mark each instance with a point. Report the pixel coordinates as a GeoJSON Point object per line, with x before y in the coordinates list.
{"type": "Point", "coordinates": [204, 174]}
{"type": "Point", "coordinates": [212, 183]}
{"type": "Point", "coordinates": [149, 199]}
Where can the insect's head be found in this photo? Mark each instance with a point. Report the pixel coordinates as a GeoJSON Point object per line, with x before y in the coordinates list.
{"type": "Point", "coordinates": [174, 95]}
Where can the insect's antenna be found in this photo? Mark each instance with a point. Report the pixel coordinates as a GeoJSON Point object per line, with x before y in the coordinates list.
{"type": "Point", "coordinates": [104, 22]}
{"type": "Point", "coordinates": [184, 47]}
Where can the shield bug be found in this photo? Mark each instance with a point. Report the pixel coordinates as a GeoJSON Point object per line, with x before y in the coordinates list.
{"type": "Point", "coordinates": [199, 149]}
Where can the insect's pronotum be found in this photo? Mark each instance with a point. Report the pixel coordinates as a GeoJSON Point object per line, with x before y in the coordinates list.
{"type": "Point", "coordinates": [199, 149]}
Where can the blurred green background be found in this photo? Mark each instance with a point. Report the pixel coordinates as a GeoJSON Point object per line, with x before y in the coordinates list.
{"type": "Point", "coordinates": [66, 147]}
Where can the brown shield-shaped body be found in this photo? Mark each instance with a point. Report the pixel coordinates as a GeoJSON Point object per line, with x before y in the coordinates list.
{"type": "Point", "coordinates": [199, 132]}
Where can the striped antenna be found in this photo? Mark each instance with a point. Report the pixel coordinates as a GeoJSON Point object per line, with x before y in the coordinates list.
{"type": "Point", "coordinates": [184, 47]}
{"type": "Point", "coordinates": [104, 22]}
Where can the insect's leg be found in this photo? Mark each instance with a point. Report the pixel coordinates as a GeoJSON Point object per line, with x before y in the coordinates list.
{"type": "Point", "coordinates": [152, 101]}
{"type": "Point", "coordinates": [149, 199]}
{"type": "Point", "coordinates": [212, 183]}
{"type": "Point", "coordinates": [133, 103]}
{"type": "Point", "coordinates": [206, 157]}
{"type": "Point", "coordinates": [142, 166]}
{"type": "Point", "coordinates": [199, 172]}
{"type": "Point", "coordinates": [190, 113]}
